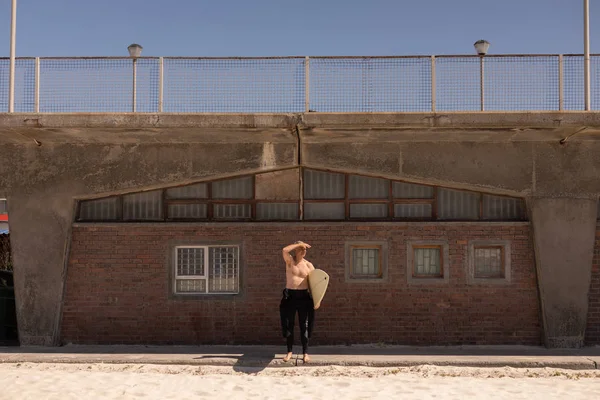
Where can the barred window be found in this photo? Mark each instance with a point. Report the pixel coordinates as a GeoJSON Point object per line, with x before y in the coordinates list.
{"type": "Point", "coordinates": [489, 261]}
{"type": "Point", "coordinates": [428, 262]}
{"type": "Point", "coordinates": [366, 262]}
{"type": "Point", "coordinates": [206, 270]}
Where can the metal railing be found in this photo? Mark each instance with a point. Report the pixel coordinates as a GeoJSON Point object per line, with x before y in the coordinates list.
{"type": "Point", "coordinates": [300, 84]}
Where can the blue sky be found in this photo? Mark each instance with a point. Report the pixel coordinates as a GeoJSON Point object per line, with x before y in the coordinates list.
{"type": "Point", "coordinates": [307, 27]}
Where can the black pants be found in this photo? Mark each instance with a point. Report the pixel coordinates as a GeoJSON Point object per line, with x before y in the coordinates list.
{"type": "Point", "coordinates": [297, 301]}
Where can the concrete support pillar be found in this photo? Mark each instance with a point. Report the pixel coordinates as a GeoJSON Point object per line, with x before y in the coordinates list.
{"type": "Point", "coordinates": [39, 228]}
{"type": "Point", "coordinates": [564, 233]}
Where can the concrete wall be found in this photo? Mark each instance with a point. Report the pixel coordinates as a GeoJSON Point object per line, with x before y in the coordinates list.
{"type": "Point", "coordinates": [49, 161]}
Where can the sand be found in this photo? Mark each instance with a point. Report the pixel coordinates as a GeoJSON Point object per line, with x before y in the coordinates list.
{"type": "Point", "coordinates": [129, 381]}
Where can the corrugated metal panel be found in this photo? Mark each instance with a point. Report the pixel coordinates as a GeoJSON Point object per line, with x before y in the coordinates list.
{"type": "Point", "coordinates": [365, 262]}
{"type": "Point", "coordinates": [98, 210]}
{"type": "Point", "coordinates": [324, 211]}
{"type": "Point", "coordinates": [411, 191]}
{"type": "Point", "coordinates": [412, 211]}
{"type": "Point", "coordinates": [232, 211]}
{"type": "Point", "coordinates": [323, 185]}
{"type": "Point", "coordinates": [196, 191]}
{"type": "Point", "coordinates": [277, 211]}
{"type": "Point", "coordinates": [503, 208]}
{"type": "Point", "coordinates": [187, 211]}
{"type": "Point", "coordinates": [145, 206]}
{"type": "Point", "coordinates": [238, 188]}
{"type": "Point", "coordinates": [362, 187]}
{"type": "Point", "coordinates": [456, 204]}
{"type": "Point", "coordinates": [368, 210]}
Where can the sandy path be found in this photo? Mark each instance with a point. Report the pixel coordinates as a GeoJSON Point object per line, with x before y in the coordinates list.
{"type": "Point", "coordinates": [105, 381]}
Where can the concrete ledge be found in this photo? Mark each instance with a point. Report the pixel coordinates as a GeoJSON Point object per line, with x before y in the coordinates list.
{"type": "Point", "coordinates": [286, 120]}
{"type": "Point", "coordinates": [270, 356]}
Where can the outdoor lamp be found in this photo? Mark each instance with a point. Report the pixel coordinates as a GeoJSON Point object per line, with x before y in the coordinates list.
{"type": "Point", "coordinates": [135, 50]}
{"type": "Point", "coordinates": [482, 46]}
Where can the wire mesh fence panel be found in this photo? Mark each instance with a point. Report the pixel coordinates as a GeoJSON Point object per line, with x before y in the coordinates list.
{"type": "Point", "coordinates": [24, 84]}
{"type": "Point", "coordinates": [86, 85]}
{"type": "Point", "coordinates": [595, 81]}
{"type": "Point", "coordinates": [457, 84]}
{"type": "Point", "coordinates": [234, 85]}
{"type": "Point", "coordinates": [521, 83]}
{"type": "Point", "coordinates": [573, 78]}
{"type": "Point", "coordinates": [147, 85]}
{"type": "Point", "coordinates": [370, 84]}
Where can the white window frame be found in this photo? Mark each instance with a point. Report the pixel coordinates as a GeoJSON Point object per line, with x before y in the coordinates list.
{"type": "Point", "coordinates": [205, 276]}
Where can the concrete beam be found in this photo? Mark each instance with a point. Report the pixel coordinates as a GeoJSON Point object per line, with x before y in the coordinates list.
{"type": "Point", "coordinates": [564, 232]}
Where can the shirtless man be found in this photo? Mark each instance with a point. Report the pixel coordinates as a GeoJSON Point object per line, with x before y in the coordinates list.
{"type": "Point", "coordinates": [296, 297]}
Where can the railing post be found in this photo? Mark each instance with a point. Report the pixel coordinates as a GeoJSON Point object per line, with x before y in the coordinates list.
{"type": "Point", "coordinates": [134, 99]}
{"type": "Point", "coordinates": [160, 84]}
{"type": "Point", "coordinates": [307, 84]}
{"type": "Point", "coordinates": [11, 70]}
{"type": "Point", "coordinates": [561, 83]}
{"type": "Point", "coordinates": [481, 83]}
{"type": "Point", "coordinates": [36, 101]}
{"type": "Point", "coordinates": [433, 84]}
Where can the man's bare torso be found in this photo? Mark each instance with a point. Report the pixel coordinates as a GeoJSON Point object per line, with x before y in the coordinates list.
{"type": "Point", "coordinates": [296, 274]}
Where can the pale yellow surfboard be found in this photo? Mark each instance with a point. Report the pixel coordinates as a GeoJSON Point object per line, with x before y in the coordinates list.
{"type": "Point", "coordinates": [317, 282]}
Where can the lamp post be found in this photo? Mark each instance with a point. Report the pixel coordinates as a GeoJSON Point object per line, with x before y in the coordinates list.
{"type": "Point", "coordinates": [482, 47]}
{"type": "Point", "coordinates": [11, 72]}
{"type": "Point", "coordinates": [586, 54]}
{"type": "Point", "coordinates": [135, 50]}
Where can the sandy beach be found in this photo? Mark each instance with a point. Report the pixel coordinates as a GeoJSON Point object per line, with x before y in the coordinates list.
{"type": "Point", "coordinates": [132, 381]}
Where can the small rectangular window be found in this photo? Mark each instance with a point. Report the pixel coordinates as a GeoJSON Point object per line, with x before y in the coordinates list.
{"type": "Point", "coordinates": [324, 185]}
{"type": "Point", "coordinates": [232, 211]}
{"type": "Point", "coordinates": [503, 208]}
{"type": "Point", "coordinates": [187, 211]}
{"type": "Point", "coordinates": [427, 262]}
{"type": "Point", "coordinates": [3, 207]}
{"type": "Point", "coordinates": [324, 211]}
{"type": "Point", "coordinates": [410, 211]}
{"type": "Point", "coordinates": [238, 188]}
{"type": "Point", "coordinates": [362, 187]}
{"type": "Point", "coordinates": [366, 262]}
{"type": "Point", "coordinates": [144, 206]}
{"type": "Point", "coordinates": [99, 210]}
{"type": "Point", "coordinates": [378, 210]}
{"type": "Point", "coordinates": [489, 262]}
{"type": "Point", "coordinates": [457, 205]}
{"type": "Point", "coordinates": [206, 270]}
{"type": "Point", "coordinates": [276, 211]}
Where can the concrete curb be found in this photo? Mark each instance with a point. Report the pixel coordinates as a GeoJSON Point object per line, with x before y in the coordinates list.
{"type": "Point", "coordinates": [569, 362]}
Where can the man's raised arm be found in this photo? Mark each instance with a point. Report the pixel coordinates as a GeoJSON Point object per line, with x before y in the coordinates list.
{"type": "Point", "coordinates": [288, 249]}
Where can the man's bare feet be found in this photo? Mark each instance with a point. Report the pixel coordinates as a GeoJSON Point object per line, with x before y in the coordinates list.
{"type": "Point", "coordinates": [287, 357]}
{"type": "Point", "coordinates": [306, 358]}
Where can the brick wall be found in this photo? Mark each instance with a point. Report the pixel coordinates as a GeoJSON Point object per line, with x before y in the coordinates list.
{"type": "Point", "coordinates": [592, 336]}
{"type": "Point", "coordinates": [118, 290]}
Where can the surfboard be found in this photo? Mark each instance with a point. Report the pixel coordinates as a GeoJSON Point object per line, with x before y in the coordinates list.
{"type": "Point", "coordinates": [317, 282]}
